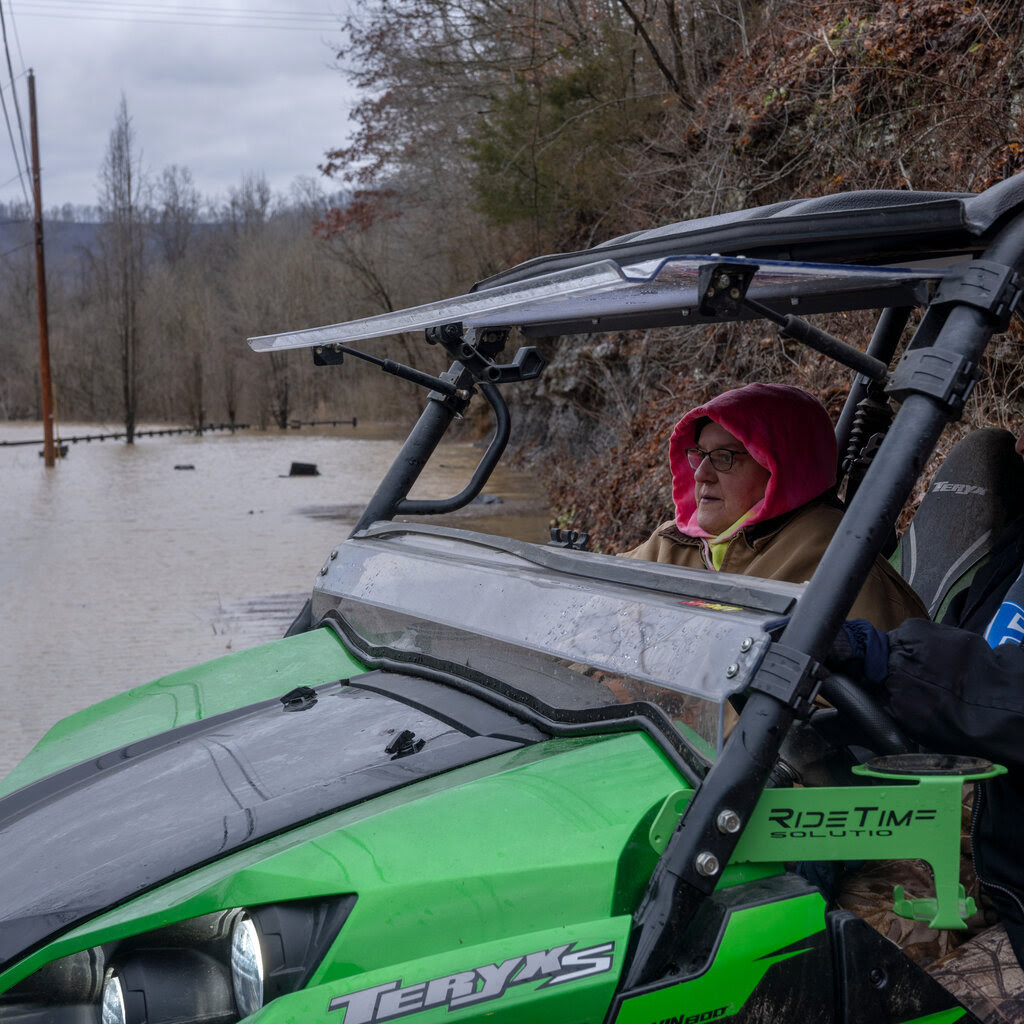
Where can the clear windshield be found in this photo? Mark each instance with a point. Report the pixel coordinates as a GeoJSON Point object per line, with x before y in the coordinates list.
{"type": "Point", "coordinates": [594, 291]}
{"type": "Point", "coordinates": [571, 630]}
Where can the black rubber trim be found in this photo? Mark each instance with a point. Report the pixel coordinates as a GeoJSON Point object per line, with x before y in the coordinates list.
{"type": "Point", "coordinates": [637, 716]}
{"type": "Point", "coordinates": [457, 708]}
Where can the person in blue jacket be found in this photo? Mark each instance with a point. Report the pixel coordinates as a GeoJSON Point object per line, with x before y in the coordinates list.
{"type": "Point", "coordinates": [958, 687]}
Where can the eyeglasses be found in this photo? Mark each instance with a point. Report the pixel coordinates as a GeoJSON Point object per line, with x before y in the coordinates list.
{"type": "Point", "coordinates": [721, 458]}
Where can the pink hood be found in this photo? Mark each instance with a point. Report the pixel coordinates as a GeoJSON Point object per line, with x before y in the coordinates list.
{"type": "Point", "coordinates": [786, 430]}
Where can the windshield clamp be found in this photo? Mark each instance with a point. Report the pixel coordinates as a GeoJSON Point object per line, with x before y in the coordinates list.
{"type": "Point", "coordinates": [475, 348]}
{"type": "Point", "coordinates": [937, 373]}
{"type": "Point", "coordinates": [722, 291]}
{"type": "Point", "coordinates": [334, 355]}
{"type": "Point", "coordinates": [571, 539]}
{"type": "Point", "coordinates": [991, 287]}
{"type": "Point", "coordinates": [790, 676]}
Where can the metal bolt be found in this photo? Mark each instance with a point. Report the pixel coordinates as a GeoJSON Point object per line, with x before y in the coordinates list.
{"type": "Point", "coordinates": [334, 555]}
{"type": "Point", "coordinates": [794, 301]}
{"type": "Point", "coordinates": [728, 822]}
{"type": "Point", "coordinates": [319, 350]}
{"type": "Point", "coordinates": [734, 293]}
{"type": "Point", "coordinates": [731, 670]}
{"type": "Point", "coordinates": [323, 571]}
{"type": "Point", "coordinates": [747, 644]}
{"type": "Point", "coordinates": [706, 864]}
{"type": "Point", "coordinates": [724, 280]}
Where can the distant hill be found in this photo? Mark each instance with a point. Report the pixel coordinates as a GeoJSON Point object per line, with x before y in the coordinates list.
{"type": "Point", "coordinates": [64, 242]}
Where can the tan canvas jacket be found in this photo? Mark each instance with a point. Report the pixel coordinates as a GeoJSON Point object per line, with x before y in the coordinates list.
{"type": "Point", "coordinates": [789, 548]}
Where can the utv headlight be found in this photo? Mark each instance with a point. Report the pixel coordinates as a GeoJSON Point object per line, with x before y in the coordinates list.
{"type": "Point", "coordinates": [114, 1011]}
{"type": "Point", "coordinates": [154, 986]}
{"type": "Point", "coordinates": [275, 949]}
{"type": "Point", "coordinates": [214, 969]}
{"type": "Point", "coordinates": [246, 966]}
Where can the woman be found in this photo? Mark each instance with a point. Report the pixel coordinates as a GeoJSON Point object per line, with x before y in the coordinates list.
{"type": "Point", "coordinates": [752, 472]}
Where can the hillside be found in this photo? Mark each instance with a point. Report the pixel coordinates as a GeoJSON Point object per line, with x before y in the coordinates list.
{"type": "Point", "coordinates": [923, 94]}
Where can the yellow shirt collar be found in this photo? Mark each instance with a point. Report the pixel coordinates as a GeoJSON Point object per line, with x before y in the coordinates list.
{"type": "Point", "coordinates": [720, 544]}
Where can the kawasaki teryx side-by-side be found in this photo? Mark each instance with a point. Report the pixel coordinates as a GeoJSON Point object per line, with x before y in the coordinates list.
{"type": "Point", "coordinates": [484, 779]}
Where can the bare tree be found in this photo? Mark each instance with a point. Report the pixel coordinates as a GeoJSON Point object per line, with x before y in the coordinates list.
{"type": "Point", "coordinates": [531, 112]}
{"type": "Point", "coordinates": [19, 390]}
{"type": "Point", "coordinates": [123, 253]}
{"type": "Point", "coordinates": [178, 202]}
{"type": "Point", "coordinates": [180, 311]}
{"type": "Point", "coordinates": [249, 204]}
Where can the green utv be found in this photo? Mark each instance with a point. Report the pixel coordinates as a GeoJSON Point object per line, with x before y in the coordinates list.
{"type": "Point", "coordinates": [484, 780]}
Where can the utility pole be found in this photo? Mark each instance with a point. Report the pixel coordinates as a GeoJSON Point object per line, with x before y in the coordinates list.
{"type": "Point", "coordinates": [45, 382]}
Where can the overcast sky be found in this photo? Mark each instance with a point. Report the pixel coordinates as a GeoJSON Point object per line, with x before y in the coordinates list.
{"type": "Point", "coordinates": [223, 87]}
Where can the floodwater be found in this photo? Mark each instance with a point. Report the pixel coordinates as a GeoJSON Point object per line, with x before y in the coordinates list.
{"type": "Point", "coordinates": [118, 565]}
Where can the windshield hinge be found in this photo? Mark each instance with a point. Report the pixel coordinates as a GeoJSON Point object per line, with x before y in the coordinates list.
{"type": "Point", "coordinates": [404, 744]}
{"type": "Point", "coordinates": [569, 539]}
{"type": "Point", "coordinates": [790, 676]}
{"type": "Point", "coordinates": [722, 291]}
{"type": "Point", "coordinates": [302, 698]}
{"type": "Point", "coordinates": [991, 287]}
{"type": "Point", "coordinates": [475, 348]}
{"type": "Point", "coordinates": [937, 373]}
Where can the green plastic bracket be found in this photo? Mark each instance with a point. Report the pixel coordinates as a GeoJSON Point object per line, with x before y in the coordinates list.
{"type": "Point", "coordinates": [914, 815]}
{"type": "Point", "coordinates": [667, 818]}
{"type": "Point", "coordinates": [926, 908]}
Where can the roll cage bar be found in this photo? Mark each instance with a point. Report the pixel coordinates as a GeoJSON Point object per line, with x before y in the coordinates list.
{"type": "Point", "coordinates": [960, 257]}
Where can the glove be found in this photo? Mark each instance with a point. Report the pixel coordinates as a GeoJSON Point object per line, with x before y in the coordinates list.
{"type": "Point", "coordinates": [861, 651]}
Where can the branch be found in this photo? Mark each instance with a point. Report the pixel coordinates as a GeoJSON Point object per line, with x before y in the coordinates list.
{"type": "Point", "coordinates": [662, 66]}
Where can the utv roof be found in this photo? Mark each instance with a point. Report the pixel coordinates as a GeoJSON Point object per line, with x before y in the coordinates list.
{"type": "Point", "coordinates": [871, 227]}
{"type": "Point", "coordinates": [851, 250]}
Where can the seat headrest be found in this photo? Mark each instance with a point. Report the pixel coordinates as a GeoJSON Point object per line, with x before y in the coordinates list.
{"type": "Point", "coordinates": [977, 492]}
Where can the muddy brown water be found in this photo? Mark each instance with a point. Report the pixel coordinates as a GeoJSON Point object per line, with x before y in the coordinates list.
{"type": "Point", "coordinates": [117, 567]}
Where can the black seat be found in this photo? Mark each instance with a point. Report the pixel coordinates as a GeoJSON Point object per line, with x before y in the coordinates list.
{"type": "Point", "coordinates": [977, 492]}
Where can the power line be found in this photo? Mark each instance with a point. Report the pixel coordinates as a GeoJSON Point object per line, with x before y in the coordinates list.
{"type": "Point", "coordinates": [17, 110]}
{"type": "Point", "coordinates": [17, 38]}
{"type": "Point", "coordinates": [178, 7]}
{"type": "Point", "coordinates": [10, 180]}
{"type": "Point", "coordinates": [178, 14]}
{"type": "Point", "coordinates": [14, 91]}
{"type": "Point", "coordinates": [276, 16]}
{"type": "Point", "coordinates": [17, 248]}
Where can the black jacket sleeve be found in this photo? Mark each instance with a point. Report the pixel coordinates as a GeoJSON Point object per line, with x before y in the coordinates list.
{"type": "Point", "coordinates": [954, 694]}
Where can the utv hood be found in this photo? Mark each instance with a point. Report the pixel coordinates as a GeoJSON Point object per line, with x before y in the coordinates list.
{"type": "Point", "coordinates": [101, 832]}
